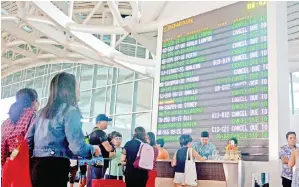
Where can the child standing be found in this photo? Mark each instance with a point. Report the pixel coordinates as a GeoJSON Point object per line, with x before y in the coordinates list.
{"type": "Point", "coordinates": [180, 158]}
{"type": "Point", "coordinates": [115, 167]}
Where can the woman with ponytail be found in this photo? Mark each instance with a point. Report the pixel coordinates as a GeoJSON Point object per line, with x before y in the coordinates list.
{"type": "Point", "coordinates": [16, 126]}
{"type": "Point", "coordinates": [134, 177]}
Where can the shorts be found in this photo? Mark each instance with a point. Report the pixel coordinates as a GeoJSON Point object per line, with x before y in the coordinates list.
{"type": "Point", "coordinates": [73, 172]}
{"type": "Point", "coordinates": [286, 182]}
{"type": "Point", "coordinates": [83, 170]}
{"type": "Point", "coordinates": [179, 178]}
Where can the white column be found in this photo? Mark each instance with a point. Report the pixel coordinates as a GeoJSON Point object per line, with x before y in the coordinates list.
{"type": "Point", "coordinates": [157, 80]}
{"type": "Point", "coordinates": [278, 83]}
{"type": "Point", "coordinates": [279, 119]}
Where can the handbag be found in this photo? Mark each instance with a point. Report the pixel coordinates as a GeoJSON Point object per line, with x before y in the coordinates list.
{"type": "Point", "coordinates": [16, 170]}
{"type": "Point", "coordinates": [190, 170]}
{"type": "Point", "coordinates": [145, 157]}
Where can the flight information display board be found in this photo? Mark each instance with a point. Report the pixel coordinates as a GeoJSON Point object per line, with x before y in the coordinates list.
{"type": "Point", "coordinates": [214, 77]}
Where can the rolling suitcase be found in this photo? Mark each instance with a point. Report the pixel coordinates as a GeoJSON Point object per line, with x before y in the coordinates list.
{"type": "Point", "coordinates": [108, 182]}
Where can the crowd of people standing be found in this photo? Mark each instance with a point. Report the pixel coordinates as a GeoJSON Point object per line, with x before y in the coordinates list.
{"type": "Point", "coordinates": [55, 136]}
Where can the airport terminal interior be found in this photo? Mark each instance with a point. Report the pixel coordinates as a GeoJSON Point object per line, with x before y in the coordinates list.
{"type": "Point", "coordinates": [220, 78]}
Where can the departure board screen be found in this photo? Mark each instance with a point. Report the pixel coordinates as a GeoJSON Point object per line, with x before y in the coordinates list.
{"type": "Point", "coordinates": [214, 77]}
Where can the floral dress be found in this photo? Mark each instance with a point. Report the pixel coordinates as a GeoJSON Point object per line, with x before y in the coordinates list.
{"type": "Point", "coordinates": [295, 181]}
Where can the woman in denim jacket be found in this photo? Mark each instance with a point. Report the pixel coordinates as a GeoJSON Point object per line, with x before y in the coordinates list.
{"type": "Point", "coordinates": [56, 134]}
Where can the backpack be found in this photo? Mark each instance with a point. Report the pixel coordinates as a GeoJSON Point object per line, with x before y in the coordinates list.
{"type": "Point", "coordinates": [86, 138]}
{"type": "Point", "coordinates": [145, 157]}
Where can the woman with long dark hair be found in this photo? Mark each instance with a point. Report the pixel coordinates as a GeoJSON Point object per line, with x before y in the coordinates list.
{"type": "Point", "coordinates": [16, 126]}
{"type": "Point", "coordinates": [134, 177]}
{"type": "Point", "coordinates": [56, 134]}
{"type": "Point", "coordinates": [151, 139]}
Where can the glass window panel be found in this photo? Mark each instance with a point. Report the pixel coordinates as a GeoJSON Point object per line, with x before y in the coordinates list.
{"type": "Point", "coordinates": [84, 103]}
{"type": "Point", "coordinates": [98, 102]}
{"type": "Point", "coordinates": [2, 92]}
{"type": "Point", "coordinates": [118, 47]}
{"type": "Point", "coordinates": [41, 70]}
{"type": "Point", "coordinates": [29, 84]}
{"type": "Point", "coordinates": [38, 82]}
{"type": "Point", "coordinates": [46, 86]}
{"type": "Point", "coordinates": [30, 73]}
{"type": "Point", "coordinates": [39, 92]}
{"type": "Point", "coordinates": [123, 125]}
{"type": "Point", "coordinates": [33, 49]}
{"type": "Point", "coordinates": [8, 79]}
{"type": "Point", "coordinates": [141, 52]}
{"type": "Point", "coordinates": [125, 75]}
{"type": "Point", "coordinates": [15, 88]}
{"type": "Point", "coordinates": [127, 49]}
{"type": "Point", "coordinates": [112, 75]}
{"type": "Point", "coordinates": [9, 54]}
{"type": "Point", "coordinates": [55, 68]}
{"type": "Point", "coordinates": [130, 40]}
{"type": "Point", "coordinates": [6, 91]}
{"type": "Point", "coordinates": [97, 36]}
{"type": "Point", "coordinates": [295, 77]}
{"type": "Point", "coordinates": [143, 120]}
{"type": "Point", "coordinates": [108, 100]}
{"type": "Point", "coordinates": [67, 65]}
{"type": "Point", "coordinates": [38, 85]}
{"type": "Point", "coordinates": [78, 72]}
{"type": "Point", "coordinates": [144, 95]}
{"type": "Point", "coordinates": [69, 70]}
{"type": "Point", "coordinates": [22, 84]}
{"type": "Point", "coordinates": [107, 39]}
{"type": "Point", "coordinates": [19, 56]}
{"type": "Point", "coordinates": [150, 56]}
{"type": "Point", "coordinates": [3, 81]}
{"type": "Point", "coordinates": [17, 77]}
{"type": "Point", "coordinates": [86, 77]}
{"type": "Point", "coordinates": [43, 102]}
{"type": "Point", "coordinates": [52, 76]}
{"type": "Point", "coordinates": [101, 76]}
{"type": "Point", "coordinates": [124, 98]}
{"type": "Point", "coordinates": [290, 96]}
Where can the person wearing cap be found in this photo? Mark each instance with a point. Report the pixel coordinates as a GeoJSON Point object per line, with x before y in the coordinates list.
{"type": "Point", "coordinates": [100, 138]}
{"type": "Point", "coordinates": [204, 147]}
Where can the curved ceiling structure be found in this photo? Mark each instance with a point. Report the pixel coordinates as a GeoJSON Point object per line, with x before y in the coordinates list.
{"type": "Point", "coordinates": [38, 32]}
